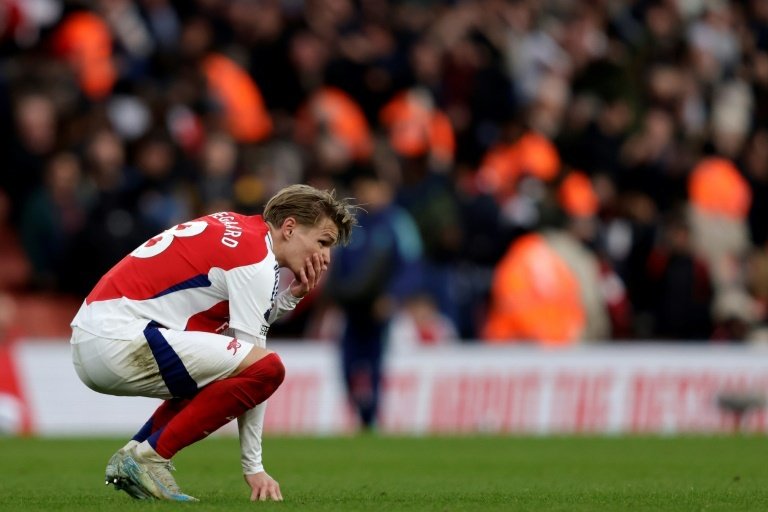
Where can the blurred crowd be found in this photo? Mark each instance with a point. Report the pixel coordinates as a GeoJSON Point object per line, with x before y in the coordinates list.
{"type": "Point", "coordinates": [558, 171]}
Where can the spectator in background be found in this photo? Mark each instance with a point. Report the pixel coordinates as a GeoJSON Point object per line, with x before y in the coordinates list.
{"type": "Point", "coordinates": [551, 287]}
{"type": "Point", "coordinates": [163, 23]}
{"type": "Point", "coordinates": [735, 315]}
{"type": "Point", "coordinates": [757, 285]}
{"type": "Point", "coordinates": [51, 221]}
{"type": "Point", "coordinates": [423, 140]}
{"type": "Point", "coordinates": [15, 268]}
{"type": "Point", "coordinates": [84, 42]}
{"type": "Point", "coordinates": [419, 324]}
{"type": "Point", "coordinates": [216, 174]}
{"type": "Point", "coordinates": [601, 290]}
{"type": "Point", "coordinates": [719, 203]}
{"type": "Point", "coordinates": [160, 192]}
{"type": "Point", "coordinates": [483, 243]}
{"type": "Point", "coordinates": [368, 281]}
{"type": "Point", "coordinates": [33, 141]}
{"type": "Point", "coordinates": [333, 130]}
{"type": "Point", "coordinates": [535, 297]}
{"type": "Point", "coordinates": [633, 93]}
{"type": "Point", "coordinates": [241, 108]}
{"type": "Point", "coordinates": [648, 157]}
{"type": "Point", "coordinates": [680, 283]}
{"type": "Point", "coordinates": [754, 162]}
{"type": "Point", "coordinates": [113, 226]}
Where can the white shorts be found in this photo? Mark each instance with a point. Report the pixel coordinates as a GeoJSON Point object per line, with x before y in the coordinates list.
{"type": "Point", "coordinates": [160, 363]}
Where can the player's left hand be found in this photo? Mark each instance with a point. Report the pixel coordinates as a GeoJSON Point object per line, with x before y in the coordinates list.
{"type": "Point", "coordinates": [263, 487]}
{"type": "Point", "coordinates": [309, 276]}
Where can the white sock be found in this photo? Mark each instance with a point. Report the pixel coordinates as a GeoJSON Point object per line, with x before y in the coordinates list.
{"type": "Point", "coordinates": [145, 451]}
{"type": "Point", "coordinates": [130, 444]}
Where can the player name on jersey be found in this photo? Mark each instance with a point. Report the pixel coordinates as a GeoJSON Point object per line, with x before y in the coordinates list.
{"type": "Point", "coordinates": [233, 229]}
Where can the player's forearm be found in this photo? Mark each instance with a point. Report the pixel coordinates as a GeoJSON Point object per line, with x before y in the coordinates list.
{"type": "Point", "coordinates": [284, 302]}
{"type": "Point", "coordinates": [250, 426]}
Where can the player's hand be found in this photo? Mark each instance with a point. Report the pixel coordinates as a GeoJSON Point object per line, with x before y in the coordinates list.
{"type": "Point", "coordinates": [263, 487]}
{"type": "Point", "coordinates": [309, 276]}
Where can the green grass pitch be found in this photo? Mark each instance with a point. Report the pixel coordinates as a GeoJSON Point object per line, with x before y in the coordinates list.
{"type": "Point", "coordinates": [372, 473]}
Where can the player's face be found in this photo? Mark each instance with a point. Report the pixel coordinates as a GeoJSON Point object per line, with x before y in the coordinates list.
{"type": "Point", "coordinates": [307, 241]}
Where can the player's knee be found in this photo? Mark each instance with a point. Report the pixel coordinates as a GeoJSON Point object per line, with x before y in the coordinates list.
{"type": "Point", "coordinates": [265, 375]}
{"type": "Point", "coordinates": [274, 370]}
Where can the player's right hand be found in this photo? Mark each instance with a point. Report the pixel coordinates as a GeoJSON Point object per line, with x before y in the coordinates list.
{"type": "Point", "coordinates": [263, 487]}
{"type": "Point", "coordinates": [309, 277]}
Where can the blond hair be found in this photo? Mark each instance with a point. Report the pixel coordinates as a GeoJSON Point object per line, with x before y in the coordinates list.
{"type": "Point", "coordinates": [309, 205]}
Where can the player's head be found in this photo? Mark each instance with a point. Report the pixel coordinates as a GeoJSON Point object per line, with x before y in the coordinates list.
{"type": "Point", "coordinates": [310, 207]}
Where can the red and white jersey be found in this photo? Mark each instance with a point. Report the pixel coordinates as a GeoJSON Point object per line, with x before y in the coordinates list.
{"type": "Point", "coordinates": [207, 274]}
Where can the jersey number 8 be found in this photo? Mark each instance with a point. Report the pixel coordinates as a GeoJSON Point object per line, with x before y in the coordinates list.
{"type": "Point", "coordinates": [161, 242]}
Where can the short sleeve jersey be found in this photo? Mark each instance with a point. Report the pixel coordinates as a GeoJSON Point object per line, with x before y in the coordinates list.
{"type": "Point", "coordinates": [207, 274]}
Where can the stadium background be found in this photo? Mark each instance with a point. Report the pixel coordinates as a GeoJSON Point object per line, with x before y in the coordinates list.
{"type": "Point", "coordinates": [619, 146]}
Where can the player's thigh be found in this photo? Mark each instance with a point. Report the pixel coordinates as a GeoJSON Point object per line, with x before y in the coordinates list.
{"type": "Point", "coordinates": [161, 363]}
{"type": "Point", "coordinates": [116, 367]}
{"type": "Point", "coordinates": [206, 357]}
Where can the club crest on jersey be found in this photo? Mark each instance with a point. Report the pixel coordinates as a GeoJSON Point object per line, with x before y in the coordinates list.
{"type": "Point", "coordinates": [234, 345]}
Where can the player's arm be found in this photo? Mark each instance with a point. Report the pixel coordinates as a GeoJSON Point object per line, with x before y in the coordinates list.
{"type": "Point", "coordinates": [302, 284]}
{"type": "Point", "coordinates": [284, 302]}
{"type": "Point", "coordinates": [250, 427]}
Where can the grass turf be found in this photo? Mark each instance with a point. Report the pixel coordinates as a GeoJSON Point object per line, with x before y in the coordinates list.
{"type": "Point", "coordinates": [371, 473]}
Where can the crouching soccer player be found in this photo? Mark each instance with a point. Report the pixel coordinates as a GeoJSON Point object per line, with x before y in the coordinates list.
{"type": "Point", "coordinates": [184, 318]}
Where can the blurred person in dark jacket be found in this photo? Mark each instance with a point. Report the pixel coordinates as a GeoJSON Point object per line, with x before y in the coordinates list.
{"type": "Point", "coordinates": [52, 218]}
{"type": "Point", "coordinates": [31, 142]}
{"type": "Point", "coordinates": [422, 139]}
{"type": "Point", "coordinates": [112, 227]}
{"type": "Point", "coordinates": [681, 284]}
{"type": "Point", "coordinates": [378, 268]}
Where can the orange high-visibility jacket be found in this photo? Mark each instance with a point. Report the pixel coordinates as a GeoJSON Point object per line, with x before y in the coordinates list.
{"type": "Point", "coordinates": [246, 115]}
{"type": "Point", "coordinates": [534, 297]}
{"type": "Point", "coordinates": [716, 186]}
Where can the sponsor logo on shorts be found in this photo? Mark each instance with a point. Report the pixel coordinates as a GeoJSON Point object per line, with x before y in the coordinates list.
{"type": "Point", "coordinates": [234, 345]}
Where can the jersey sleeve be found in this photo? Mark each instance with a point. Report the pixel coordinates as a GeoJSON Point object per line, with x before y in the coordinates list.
{"type": "Point", "coordinates": [250, 298]}
{"type": "Point", "coordinates": [250, 426]}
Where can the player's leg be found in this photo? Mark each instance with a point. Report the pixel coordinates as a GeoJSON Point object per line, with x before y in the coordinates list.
{"type": "Point", "coordinates": [160, 418]}
{"type": "Point", "coordinates": [218, 403]}
{"type": "Point", "coordinates": [160, 364]}
{"type": "Point", "coordinates": [120, 367]}
{"type": "Point", "coordinates": [214, 406]}
{"type": "Point", "coordinates": [170, 408]}
{"type": "Point", "coordinates": [223, 377]}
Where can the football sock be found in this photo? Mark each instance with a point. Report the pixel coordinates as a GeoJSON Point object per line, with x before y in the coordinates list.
{"type": "Point", "coordinates": [161, 417]}
{"type": "Point", "coordinates": [130, 444]}
{"type": "Point", "coordinates": [217, 404]}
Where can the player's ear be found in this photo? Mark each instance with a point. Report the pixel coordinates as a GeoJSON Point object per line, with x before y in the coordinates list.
{"type": "Point", "coordinates": [289, 225]}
